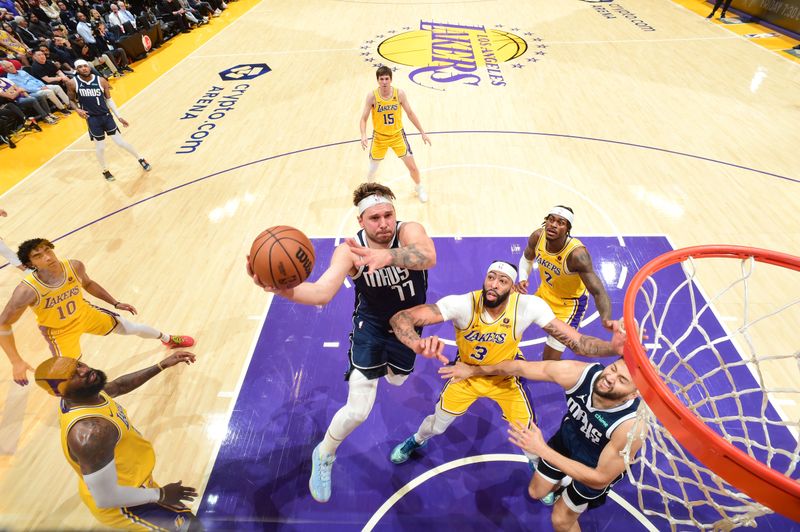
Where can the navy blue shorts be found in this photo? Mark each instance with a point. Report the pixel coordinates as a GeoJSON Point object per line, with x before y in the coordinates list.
{"type": "Point", "coordinates": [374, 349]}
{"type": "Point", "coordinates": [101, 125]}
{"type": "Point", "coordinates": [577, 496]}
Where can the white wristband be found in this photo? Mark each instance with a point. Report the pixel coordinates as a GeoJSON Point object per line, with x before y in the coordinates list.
{"type": "Point", "coordinates": [525, 267]}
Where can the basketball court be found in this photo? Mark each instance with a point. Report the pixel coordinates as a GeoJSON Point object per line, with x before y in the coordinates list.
{"type": "Point", "coordinates": [659, 128]}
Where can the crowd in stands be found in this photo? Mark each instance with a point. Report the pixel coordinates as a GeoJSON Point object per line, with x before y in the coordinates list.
{"type": "Point", "coordinates": [40, 40]}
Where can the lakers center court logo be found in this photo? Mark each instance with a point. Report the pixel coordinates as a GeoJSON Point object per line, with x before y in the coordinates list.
{"type": "Point", "coordinates": [439, 55]}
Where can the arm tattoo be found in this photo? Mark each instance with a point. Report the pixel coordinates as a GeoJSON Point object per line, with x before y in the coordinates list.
{"type": "Point", "coordinates": [409, 257]}
{"type": "Point", "coordinates": [131, 381]}
{"type": "Point", "coordinates": [403, 323]}
{"type": "Point", "coordinates": [588, 346]}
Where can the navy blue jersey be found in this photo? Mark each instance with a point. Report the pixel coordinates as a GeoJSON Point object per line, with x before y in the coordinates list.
{"type": "Point", "coordinates": [585, 430]}
{"type": "Point", "coordinates": [382, 293]}
{"type": "Point", "coordinates": [91, 97]}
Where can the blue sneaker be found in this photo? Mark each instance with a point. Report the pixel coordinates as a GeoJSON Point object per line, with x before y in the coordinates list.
{"type": "Point", "coordinates": [402, 452]}
{"type": "Point", "coordinates": [320, 482]}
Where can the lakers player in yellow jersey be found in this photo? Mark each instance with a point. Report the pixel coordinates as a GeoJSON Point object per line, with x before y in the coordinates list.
{"type": "Point", "coordinates": [566, 273]}
{"type": "Point", "coordinates": [54, 291]}
{"type": "Point", "coordinates": [488, 325]}
{"type": "Point", "coordinates": [113, 461]}
{"type": "Point", "coordinates": [386, 105]}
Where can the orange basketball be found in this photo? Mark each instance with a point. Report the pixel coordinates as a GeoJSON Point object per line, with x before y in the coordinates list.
{"type": "Point", "coordinates": [282, 257]}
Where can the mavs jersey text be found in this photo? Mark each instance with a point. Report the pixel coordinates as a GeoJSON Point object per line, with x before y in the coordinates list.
{"type": "Point", "coordinates": [380, 295]}
{"type": "Point", "coordinates": [91, 96]}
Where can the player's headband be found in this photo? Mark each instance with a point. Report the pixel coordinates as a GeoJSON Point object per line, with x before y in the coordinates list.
{"type": "Point", "coordinates": [371, 201]}
{"type": "Point", "coordinates": [504, 268]}
{"type": "Point", "coordinates": [564, 213]}
{"type": "Point", "coordinates": [53, 374]}
{"type": "Point", "coordinates": [81, 62]}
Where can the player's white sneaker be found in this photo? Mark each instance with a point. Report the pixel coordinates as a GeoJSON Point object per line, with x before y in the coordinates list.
{"type": "Point", "coordinates": [421, 193]}
{"type": "Point", "coordinates": [320, 482]}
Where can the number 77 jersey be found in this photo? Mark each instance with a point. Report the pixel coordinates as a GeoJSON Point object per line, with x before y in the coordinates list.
{"type": "Point", "coordinates": [384, 292]}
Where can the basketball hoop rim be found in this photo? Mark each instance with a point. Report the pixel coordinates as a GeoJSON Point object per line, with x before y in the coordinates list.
{"type": "Point", "coordinates": [757, 480]}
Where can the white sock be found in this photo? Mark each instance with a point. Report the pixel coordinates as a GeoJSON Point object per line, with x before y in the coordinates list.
{"type": "Point", "coordinates": [139, 329]}
{"type": "Point", "coordinates": [125, 145]}
{"type": "Point", "coordinates": [373, 169]}
{"type": "Point", "coordinates": [433, 425]}
{"type": "Point", "coordinates": [9, 255]}
{"type": "Point", "coordinates": [100, 153]}
{"type": "Point", "coordinates": [360, 398]}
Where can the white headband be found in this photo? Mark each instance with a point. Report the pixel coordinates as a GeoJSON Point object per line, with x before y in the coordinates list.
{"type": "Point", "coordinates": [564, 213]}
{"type": "Point", "coordinates": [504, 268]}
{"type": "Point", "coordinates": [371, 201]}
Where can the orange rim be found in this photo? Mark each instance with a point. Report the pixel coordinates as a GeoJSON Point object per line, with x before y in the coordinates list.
{"type": "Point", "coordinates": [750, 476]}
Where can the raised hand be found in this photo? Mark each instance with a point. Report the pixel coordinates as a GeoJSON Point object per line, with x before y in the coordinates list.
{"type": "Point", "coordinates": [521, 287]}
{"type": "Point", "coordinates": [373, 259]}
{"type": "Point", "coordinates": [431, 347]}
{"type": "Point", "coordinates": [176, 358]}
{"type": "Point", "coordinates": [458, 372]}
{"type": "Point", "coordinates": [530, 440]}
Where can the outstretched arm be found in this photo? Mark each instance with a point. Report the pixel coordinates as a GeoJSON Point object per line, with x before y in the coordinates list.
{"type": "Point", "coordinates": [580, 262]}
{"type": "Point", "coordinates": [416, 251]}
{"type": "Point", "coordinates": [404, 322]}
{"type": "Point", "coordinates": [96, 290]}
{"type": "Point", "coordinates": [401, 95]}
{"type": "Point", "coordinates": [585, 345]}
{"type": "Point", "coordinates": [22, 297]}
{"type": "Point", "coordinates": [526, 262]}
{"type": "Point", "coordinates": [321, 291]}
{"type": "Point", "coordinates": [563, 372]}
{"type": "Point", "coordinates": [610, 465]}
{"type": "Point", "coordinates": [131, 381]}
{"type": "Point", "coordinates": [91, 442]}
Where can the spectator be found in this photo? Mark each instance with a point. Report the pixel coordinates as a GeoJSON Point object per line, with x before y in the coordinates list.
{"type": "Point", "coordinates": [10, 6]}
{"type": "Point", "coordinates": [50, 10]}
{"type": "Point", "coordinates": [38, 105]}
{"type": "Point", "coordinates": [11, 117]}
{"type": "Point", "coordinates": [93, 56]}
{"type": "Point", "coordinates": [34, 87]}
{"type": "Point", "coordinates": [40, 28]}
{"type": "Point", "coordinates": [84, 29]}
{"type": "Point", "coordinates": [125, 13]}
{"type": "Point", "coordinates": [45, 70]}
{"type": "Point", "coordinates": [171, 11]}
{"type": "Point", "coordinates": [32, 6]}
{"type": "Point", "coordinates": [62, 50]}
{"type": "Point", "coordinates": [64, 67]}
{"type": "Point", "coordinates": [10, 46]}
{"type": "Point", "coordinates": [107, 43]}
{"type": "Point", "coordinates": [67, 16]}
{"type": "Point", "coordinates": [118, 19]}
{"type": "Point", "coordinates": [25, 35]}
{"type": "Point", "coordinates": [95, 18]}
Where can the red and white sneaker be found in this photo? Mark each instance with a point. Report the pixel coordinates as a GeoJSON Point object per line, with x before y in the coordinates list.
{"type": "Point", "coordinates": [176, 341]}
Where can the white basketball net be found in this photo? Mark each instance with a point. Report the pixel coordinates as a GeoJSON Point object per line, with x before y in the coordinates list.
{"type": "Point", "coordinates": [726, 376]}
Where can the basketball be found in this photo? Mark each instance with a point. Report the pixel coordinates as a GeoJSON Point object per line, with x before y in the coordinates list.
{"type": "Point", "coordinates": [282, 257]}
